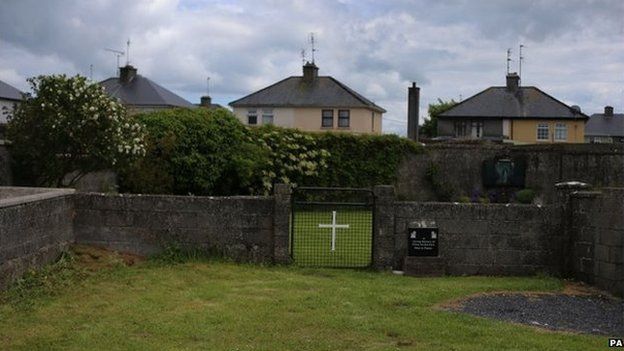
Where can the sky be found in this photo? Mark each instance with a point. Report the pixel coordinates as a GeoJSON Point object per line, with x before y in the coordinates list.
{"type": "Point", "coordinates": [452, 49]}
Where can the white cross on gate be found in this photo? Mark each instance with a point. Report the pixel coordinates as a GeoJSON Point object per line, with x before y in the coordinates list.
{"type": "Point", "coordinates": [333, 227]}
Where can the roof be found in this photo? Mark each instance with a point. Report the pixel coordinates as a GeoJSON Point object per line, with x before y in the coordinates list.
{"type": "Point", "coordinates": [141, 91]}
{"type": "Point", "coordinates": [323, 91]}
{"type": "Point", "coordinates": [499, 102]}
{"type": "Point", "coordinates": [8, 92]}
{"type": "Point", "coordinates": [599, 125]}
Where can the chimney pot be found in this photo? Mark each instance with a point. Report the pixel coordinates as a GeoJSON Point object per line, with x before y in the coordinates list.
{"type": "Point", "coordinates": [513, 82]}
{"type": "Point", "coordinates": [127, 74]}
{"type": "Point", "coordinates": [608, 111]}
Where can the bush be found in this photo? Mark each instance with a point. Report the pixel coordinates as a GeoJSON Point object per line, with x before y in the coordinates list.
{"type": "Point", "coordinates": [361, 160]}
{"type": "Point", "coordinates": [195, 151]}
{"type": "Point", "coordinates": [525, 196]}
{"type": "Point", "coordinates": [442, 188]}
{"type": "Point", "coordinates": [69, 125]}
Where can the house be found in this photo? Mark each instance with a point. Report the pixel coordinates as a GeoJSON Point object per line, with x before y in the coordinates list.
{"type": "Point", "coordinates": [607, 127]}
{"type": "Point", "coordinates": [140, 94]}
{"type": "Point", "coordinates": [514, 113]}
{"type": "Point", "coordinates": [9, 97]}
{"type": "Point", "coordinates": [310, 103]}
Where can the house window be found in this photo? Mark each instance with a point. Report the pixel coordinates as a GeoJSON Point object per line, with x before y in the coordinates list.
{"type": "Point", "coordinates": [477, 130]}
{"type": "Point", "coordinates": [252, 117]}
{"type": "Point", "coordinates": [267, 116]}
{"type": "Point", "coordinates": [343, 118]}
{"type": "Point", "coordinates": [542, 131]}
{"type": "Point", "coordinates": [561, 132]}
{"type": "Point", "coordinates": [461, 129]}
{"type": "Point", "coordinates": [328, 119]}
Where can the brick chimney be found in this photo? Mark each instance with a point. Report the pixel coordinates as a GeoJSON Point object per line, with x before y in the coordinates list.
{"type": "Point", "coordinates": [127, 74]}
{"type": "Point", "coordinates": [513, 82]}
{"type": "Point", "coordinates": [310, 72]}
{"type": "Point", "coordinates": [413, 105]}
{"type": "Point", "coordinates": [608, 112]}
{"type": "Point", "coordinates": [205, 101]}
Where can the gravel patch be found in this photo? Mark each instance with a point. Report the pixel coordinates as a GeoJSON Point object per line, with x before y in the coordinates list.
{"type": "Point", "coordinates": [585, 314]}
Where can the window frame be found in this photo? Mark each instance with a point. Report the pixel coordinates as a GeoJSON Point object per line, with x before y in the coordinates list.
{"type": "Point", "coordinates": [252, 113]}
{"type": "Point", "coordinates": [342, 118]}
{"type": "Point", "coordinates": [563, 129]}
{"type": "Point", "coordinates": [542, 126]}
{"type": "Point", "coordinates": [324, 118]}
{"type": "Point", "coordinates": [267, 113]}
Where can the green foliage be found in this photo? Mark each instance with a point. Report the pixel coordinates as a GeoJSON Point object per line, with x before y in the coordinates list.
{"type": "Point", "coordinates": [361, 160]}
{"type": "Point", "coordinates": [430, 126]}
{"type": "Point", "coordinates": [525, 196]}
{"type": "Point", "coordinates": [443, 189]}
{"type": "Point", "coordinates": [196, 151]}
{"type": "Point", "coordinates": [294, 156]}
{"type": "Point", "coordinates": [69, 125]}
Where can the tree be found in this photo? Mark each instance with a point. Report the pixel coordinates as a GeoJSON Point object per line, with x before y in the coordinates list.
{"type": "Point", "coordinates": [69, 126]}
{"type": "Point", "coordinates": [430, 126]}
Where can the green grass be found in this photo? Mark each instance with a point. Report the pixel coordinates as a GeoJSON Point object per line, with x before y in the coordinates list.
{"type": "Point", "coordinates": [224, 306]}
{"type": "Point", "coordinates": [312, 245]}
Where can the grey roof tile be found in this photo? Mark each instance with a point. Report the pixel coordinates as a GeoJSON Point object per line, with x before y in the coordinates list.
{"type": "Point", "coordinates": [141, 91]}
{"type": "Point", "coordinates": [8, 92]}
{"type": "Point", "coordinates": [599, 125]}
{"type": "Point", "coordinates": [293, 91]}
{"type": "Point", "coordinates": [499, 102]}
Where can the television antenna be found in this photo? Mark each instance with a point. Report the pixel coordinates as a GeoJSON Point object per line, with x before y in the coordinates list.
{"type": "Point", "coordinates": [118, 54]}
{"type": "Point", "coordinates": [520, 58]}
{"type": "Point", "coordinates": [312, 48]}
{"type": "Point", "coordinates": [128, 52]}
{"type": "Point", "coordinates": [303, 56]}
{"type": "Point", "coordinates": [208, 86]}
{"type": "Point", "coordinates": [508, 59]}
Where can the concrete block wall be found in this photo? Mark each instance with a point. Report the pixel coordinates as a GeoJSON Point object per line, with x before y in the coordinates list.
{"type": "Point", "coordinates": [596, 229]}
{"type": "Point", "coordinates": [237, 227]}
{"type": "Point", "coordinates": [488, 239]}
{"type": "Point", "coordinates": [34, 229]}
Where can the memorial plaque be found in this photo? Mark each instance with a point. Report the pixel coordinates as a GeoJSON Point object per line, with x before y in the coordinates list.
{"type": "Point", "coordinates": [422, 241]}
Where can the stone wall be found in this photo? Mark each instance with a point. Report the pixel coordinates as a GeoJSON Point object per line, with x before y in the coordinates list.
{"type": "Point", "coordinates": [488, 239]}
{"type": "Point", "coordinates": [460, 167]}
{"type": "Point", "coordinates": [6, 177]}
{"type": "Point", "coordinates": [595, 227]}
{"type": "Point", "coordinates": [35, 227]}
{"type": "Point", "coordinates": [237, 227]}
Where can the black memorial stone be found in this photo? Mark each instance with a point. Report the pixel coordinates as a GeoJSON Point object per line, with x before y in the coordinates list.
{"type": "Point", "coordinates": [422, 241]}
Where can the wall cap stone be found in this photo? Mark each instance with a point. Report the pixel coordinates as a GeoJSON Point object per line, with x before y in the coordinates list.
{"type": "Point", "coordinates": [26, 194]}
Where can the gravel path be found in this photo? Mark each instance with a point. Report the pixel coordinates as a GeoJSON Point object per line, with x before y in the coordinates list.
{"type": "Point", "coordinates": [586, 314]}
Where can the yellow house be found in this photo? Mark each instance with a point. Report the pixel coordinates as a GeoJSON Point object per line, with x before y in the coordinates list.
{"type": "Point", "coordinates": [310, 103]}
{"type": "Point", "coordinates": [523, 115]}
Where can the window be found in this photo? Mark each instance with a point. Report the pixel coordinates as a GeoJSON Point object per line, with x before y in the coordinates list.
{"type": "Point", "coordinates": [561, 132]}
{"type": "Point", "coordinates": [343, 118]}
{"type": "Point", "coordinates": [252, 117]}
{"type": "Point", "coordinates": [542, 131]}
{"type": "Point", "coordinates": [477, 130]}
{"type": "Point", "coordinates": [328, 119]}
{"type": "Point", "coordinates": [267, 116]}
{"type": "Point", "coordinates": [461, 129]}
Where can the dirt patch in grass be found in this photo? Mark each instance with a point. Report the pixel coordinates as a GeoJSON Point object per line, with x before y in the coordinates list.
{"type": "Point", "coordinates": [95, 258]}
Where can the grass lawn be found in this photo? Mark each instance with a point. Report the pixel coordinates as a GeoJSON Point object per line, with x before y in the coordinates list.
{"type": "Point", "coordinates": [203, 305]}
{"type": "Point", "coordinates": [312, 246]}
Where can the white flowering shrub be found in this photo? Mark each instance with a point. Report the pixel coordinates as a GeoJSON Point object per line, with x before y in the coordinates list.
{"type": "Point", "coordinates": [294, 158]}
{"type": "Point", "coordinates": [70, 125]}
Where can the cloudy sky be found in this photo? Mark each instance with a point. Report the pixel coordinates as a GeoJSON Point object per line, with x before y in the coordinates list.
{"type": "Point", "coordinates": [574, 50]}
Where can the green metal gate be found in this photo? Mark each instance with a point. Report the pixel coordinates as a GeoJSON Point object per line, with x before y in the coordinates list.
{"type": "Point", "coordinates": [332, 227]}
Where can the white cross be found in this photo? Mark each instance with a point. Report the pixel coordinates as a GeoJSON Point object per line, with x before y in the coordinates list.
{"type": "Point", "coordinates": [333, 227]}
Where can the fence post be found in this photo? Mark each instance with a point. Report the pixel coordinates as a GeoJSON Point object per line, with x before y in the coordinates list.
{"type": "Point", "coordinates": [281, 223]}
{"type": "Point", "coordinates": [383, 227]}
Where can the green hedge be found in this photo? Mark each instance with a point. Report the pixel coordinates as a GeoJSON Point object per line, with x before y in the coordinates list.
{"type": "Point", "coordinates": [209, 152]}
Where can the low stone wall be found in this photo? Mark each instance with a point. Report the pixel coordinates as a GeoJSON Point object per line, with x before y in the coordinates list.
{"type": "Point", "coordinates": [35, 227]}
{"type": "Point", "coordinates": [6, 176]}
{"type": "Point", "coordinates": [236, 227]}
{"type": "Point", "coordinates": [596, 229]}
{"type": "Point", "coordinates": [489, 239]}
{"type": "Point", "coordinates": [460, 167]}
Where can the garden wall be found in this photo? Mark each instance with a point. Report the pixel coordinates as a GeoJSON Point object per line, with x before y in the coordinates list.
{"type": "Point", "coordinates": [35, 227]}
{"type": "Point", "coordinates": [236, 227]}
{"type": "Point", "coordinates": [595, 227]}
{"type": "Point", "coordinates": [5, 164]}
{"type": "Point", "coordinates": [460, 167]}
{"type": "Point", "coordinates": [488, 239]}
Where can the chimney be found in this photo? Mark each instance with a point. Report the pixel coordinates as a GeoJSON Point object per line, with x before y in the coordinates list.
{"type": "Point", "coordinates": [608, 111]}
{"type": "Point", "coordinates": [310, 72]}
{"type": "Point", "coordinates": [127, 74]}
{"type": "Point", "coordinates": [413, 104]}
{"type": "Point", "coordinates": [513, 82]}
{"type": "Point", "coordinates": [205, 101]}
